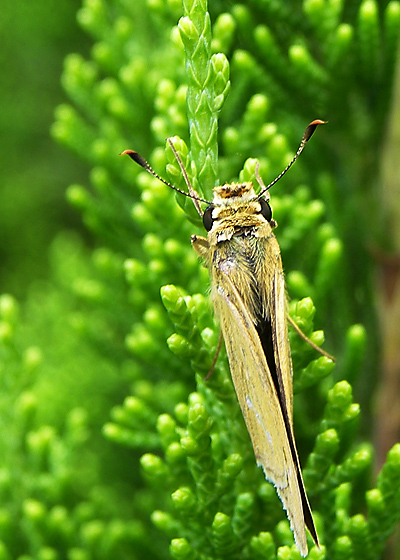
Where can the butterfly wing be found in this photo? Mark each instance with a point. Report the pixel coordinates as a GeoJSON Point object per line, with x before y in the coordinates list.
{"type": "Point", "coordinates": [284, 374]}
{"type": "Point", "coordinates": [268, 424]}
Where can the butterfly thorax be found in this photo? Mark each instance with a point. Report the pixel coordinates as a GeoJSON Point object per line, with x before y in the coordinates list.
{"type": "Point", "coordinates": [237, 211]}
{"type": "Point", "coordinates": [243, 246]}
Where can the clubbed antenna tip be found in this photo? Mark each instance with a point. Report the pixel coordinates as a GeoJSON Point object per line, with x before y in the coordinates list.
{"type": "Point", "coordinates": [136, 157]}
{"type": "Point", "coordinates": [309, 131]}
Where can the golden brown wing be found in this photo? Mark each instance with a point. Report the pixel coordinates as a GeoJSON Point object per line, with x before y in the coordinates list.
{"type": "Point", "coordinates": [269, 430]}
{"type": "Point", "coordinates": [284, 374]}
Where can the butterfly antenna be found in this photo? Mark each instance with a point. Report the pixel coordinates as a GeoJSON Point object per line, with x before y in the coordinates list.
{"type": "Point", "coordinates": [137, 158]}
{"type": "Point", "coordinates": [309, 131]}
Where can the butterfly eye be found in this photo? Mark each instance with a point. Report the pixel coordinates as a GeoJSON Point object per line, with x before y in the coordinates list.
{"type": "Point", "coordinates": [207, 218]}
{"type": "Point", "coordinates": [266, 210]}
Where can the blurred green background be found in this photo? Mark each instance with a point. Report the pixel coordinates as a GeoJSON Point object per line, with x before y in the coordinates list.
{"type": "Point", "coordinates": [35, 38]}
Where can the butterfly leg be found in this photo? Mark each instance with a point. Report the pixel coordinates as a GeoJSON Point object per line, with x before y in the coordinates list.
{"type": "Point", "coordinates": [310, 342]}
